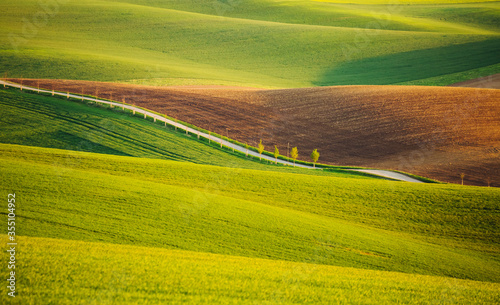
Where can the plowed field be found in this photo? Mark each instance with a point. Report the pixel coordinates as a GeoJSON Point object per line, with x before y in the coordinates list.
{"type": "Point", "coordinates": [437, 132]}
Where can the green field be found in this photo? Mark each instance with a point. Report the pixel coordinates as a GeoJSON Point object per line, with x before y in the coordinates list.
{"type": "Point", "coordinates": [442, 230]}
{"type": "Point", "coordinates": [113, 208]}
{"type": "Point", "coordinates": [153, 187]}
{"type": "Point", "coordinates": [261, 43]}
{"type": "Point", "coordinates": [111, 274]}
{"type": "Point", "coordinates": [256, 213]}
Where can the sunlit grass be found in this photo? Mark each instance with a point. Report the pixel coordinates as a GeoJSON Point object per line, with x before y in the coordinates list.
{"type": "Point", "coordinates": [406, 1]}
{"type": "Point", "coordinates": [257, 43]}
{"type": "Point", "coordinates": [374, 224]}
{"type": "Point", "coordinates": [103, 273]}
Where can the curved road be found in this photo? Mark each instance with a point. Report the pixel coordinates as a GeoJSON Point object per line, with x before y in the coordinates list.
{"type": "Point", "coordinates": [388, 174]}
{"type": "Point", "coordinates": [158, 117]}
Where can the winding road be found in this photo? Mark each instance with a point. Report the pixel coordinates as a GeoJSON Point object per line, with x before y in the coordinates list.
{"type": "Point", "coordinates": [388, 174]}
{"type": "Point", "coordinates": [382, 173]}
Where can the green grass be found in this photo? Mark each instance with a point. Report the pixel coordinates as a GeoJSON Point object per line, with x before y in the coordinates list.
{"type": "Point", "coordinates": [406, 2]}
{"type": "Point", "coordinates": [116, 209]}
{"type": "Point", "coordinates": [454, 77]}
{"type": "Point", "coordinates": [259, 43]}
{"type": "Point", "coordinates": [99, 273]}
{"type": "Point", "coordinates": [433, 17]}
{"type": "Point", "coordinates": [443, 230]}
{"type": "Point", "coordinates": [55, 122]}
{"type": "Point", "coordinates": [158, 216]}
{"type": "Point", "coordinates": [401, 67]}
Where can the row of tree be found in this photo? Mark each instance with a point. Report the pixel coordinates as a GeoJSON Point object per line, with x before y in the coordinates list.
{"type": "Point", "coordinates": [294, 154]}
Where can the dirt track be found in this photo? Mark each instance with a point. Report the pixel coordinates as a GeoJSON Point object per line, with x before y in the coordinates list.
{"type": "Point", "coordinates": [437, 132]}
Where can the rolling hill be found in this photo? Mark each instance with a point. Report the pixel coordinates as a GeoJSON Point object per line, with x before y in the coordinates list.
{"type": "Point", "coordinates": [55, 122]}
{"type": "Point", "coordinates": [100, 212]}
{"type": "Point", "coordinates": [112, 207]}
{"type": "Point", "coordinates": [94, 278]}
{"type": "Point", "coordinates": [280, 44]}
{"type": "Point", "coordinates": [431, 229]}
{"type": "Point", "coordinates": [429, 131]}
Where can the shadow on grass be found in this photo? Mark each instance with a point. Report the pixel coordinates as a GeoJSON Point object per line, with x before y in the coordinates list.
{"type": "Point", "coordinates": [414, 65]}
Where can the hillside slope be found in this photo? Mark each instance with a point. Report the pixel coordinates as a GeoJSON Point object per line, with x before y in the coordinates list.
{"type": "Point", "coordinates": [262, 43]}
{"type": "Point", "coordinates": [107, 273]}
{"type": "Point", "coordinates": [431, 229]}
{"type": "Point", "coordinates": [429, 131]}
{"type": "Point", "coordinates": [435, 132]}
{"type": "Point", "coordinates": [244, 232]}
{"type": "Point", "coordinates": [45, 121]}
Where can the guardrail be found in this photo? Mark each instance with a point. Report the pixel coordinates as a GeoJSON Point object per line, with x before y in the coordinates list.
{"type": "Point", "coordinates": [158, 117]}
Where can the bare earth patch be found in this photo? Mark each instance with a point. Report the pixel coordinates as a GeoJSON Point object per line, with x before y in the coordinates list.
{"type": "Point", "coordinates": [490, 81]}
{"type": "Point", "coordinates": [437, 132]}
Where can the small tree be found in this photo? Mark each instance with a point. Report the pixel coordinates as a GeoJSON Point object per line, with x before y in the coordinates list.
{"type": "Point", "coordinates": [261, 149]}
{"type": "Point", "coordinates": [276, 154]}
{"type": "Point", "coordinates": [315, 157]}
{"type": "Point", "coordinates": [294, 154]}
{"type": "Point", "coordinates": [462, 176]}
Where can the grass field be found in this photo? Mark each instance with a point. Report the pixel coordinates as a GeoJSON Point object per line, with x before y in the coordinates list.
{"type": "Point", "coordinates": [99, 273]}
{"type": "Point", "coordinates": [436, 229]}
{"type": "Point", "coordinates": [280, 43]}
{"type": "Point", "coordinates": [114, 208]}
{"type": "Point", "coordinates": [220, 233]}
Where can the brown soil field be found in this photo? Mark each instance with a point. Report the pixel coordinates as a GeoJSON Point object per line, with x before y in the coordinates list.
{"type": "Point", "coordinates": [490, 81]}
{"type": "Point", "coordinates": [436, 132]}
